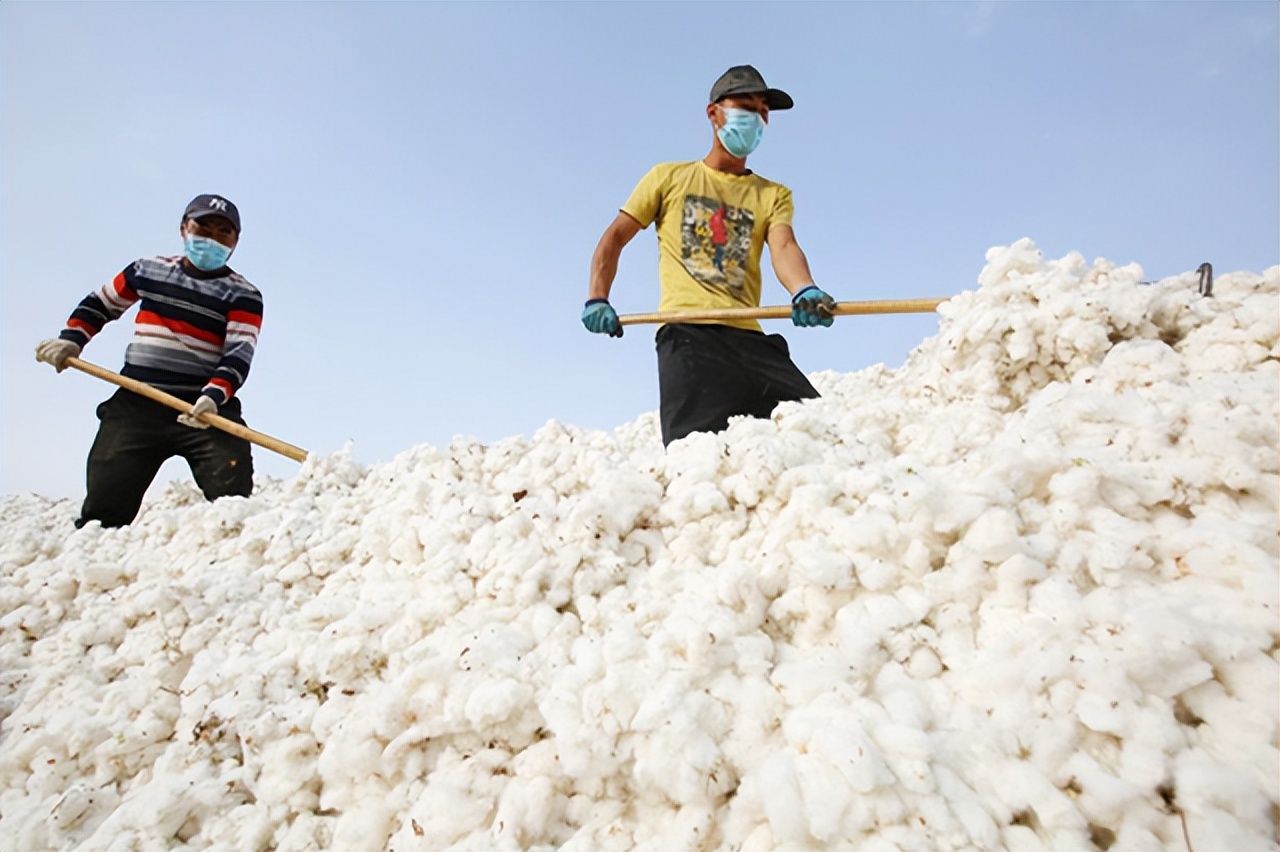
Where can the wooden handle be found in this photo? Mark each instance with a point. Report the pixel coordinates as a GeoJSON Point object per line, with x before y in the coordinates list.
{"type": "Point", "coordinates": [887, 306]}
{"type": "Point", "coordinates": [230, 426]}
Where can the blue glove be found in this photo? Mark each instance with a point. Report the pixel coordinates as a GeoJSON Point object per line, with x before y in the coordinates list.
{"type": "Point", "coordinates": [812, 307]}
{"type": "Point", "coordinates": [600, 317]}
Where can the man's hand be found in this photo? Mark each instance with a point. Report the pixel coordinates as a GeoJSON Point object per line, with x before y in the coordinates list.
{"type": "Point", "coordinates": [812, 307]}
{"type": "Point", "coordinates": [56, 352]}
{"type": "Point", "coordinates": [600, 317]}
{"type": "Point", "coordinates": [204, 405]}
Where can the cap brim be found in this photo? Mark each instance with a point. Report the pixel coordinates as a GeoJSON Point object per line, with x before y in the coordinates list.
{"type": "Point", "coordinates": [773, 98]}
{"type": "Point", "coordinates": [778, 99]}
{"type": "Point", "coordinates": [205, 214]}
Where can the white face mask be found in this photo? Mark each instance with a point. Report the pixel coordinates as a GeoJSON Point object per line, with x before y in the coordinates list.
{"type": "Point", "coordinates": [741, 132]}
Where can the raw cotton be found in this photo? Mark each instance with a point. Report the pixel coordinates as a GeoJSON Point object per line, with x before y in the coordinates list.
{"type": "Point", "coordinates": [1019, 593]}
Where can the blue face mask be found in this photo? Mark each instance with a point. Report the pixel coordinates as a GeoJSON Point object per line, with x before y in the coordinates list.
{"type": "Point", "coordinates": [205, 253]}
{"type": "Point", "coordinates": [742, 131]}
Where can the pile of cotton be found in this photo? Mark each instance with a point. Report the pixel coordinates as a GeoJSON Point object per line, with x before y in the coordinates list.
{"type": "Point", "coordinates": [1019, 593]}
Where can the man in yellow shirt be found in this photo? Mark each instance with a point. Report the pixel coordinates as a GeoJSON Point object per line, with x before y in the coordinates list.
{"type": "Point", "coordinates": [713, 218]}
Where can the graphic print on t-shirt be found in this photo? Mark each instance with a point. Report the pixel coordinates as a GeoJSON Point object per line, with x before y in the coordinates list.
{"type": "Point", "coordinates": [715, 242]}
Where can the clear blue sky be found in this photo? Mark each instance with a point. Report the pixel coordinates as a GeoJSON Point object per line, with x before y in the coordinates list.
{"type": "Point", "coordinates": [422, 184]}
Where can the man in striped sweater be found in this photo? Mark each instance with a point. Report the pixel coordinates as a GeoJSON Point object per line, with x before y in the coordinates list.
{"type": "Point", "coordinates": [196, 330]}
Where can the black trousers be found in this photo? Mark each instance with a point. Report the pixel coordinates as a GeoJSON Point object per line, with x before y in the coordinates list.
{"type": "Point", "coordinates": [709, 373]}
{"type": "Point", "coordinates": [136, 436]}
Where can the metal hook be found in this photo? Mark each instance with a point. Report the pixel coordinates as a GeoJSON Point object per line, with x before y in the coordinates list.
{"type": "Point", "coordinates": [1206, 279]}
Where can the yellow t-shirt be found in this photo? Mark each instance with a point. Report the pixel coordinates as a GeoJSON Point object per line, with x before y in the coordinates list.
{"type": "Point", "coordinates": [711, 232]}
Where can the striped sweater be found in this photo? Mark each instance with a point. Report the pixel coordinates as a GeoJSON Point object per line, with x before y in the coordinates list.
{"type": "Point", "coordinates": [195, 332]}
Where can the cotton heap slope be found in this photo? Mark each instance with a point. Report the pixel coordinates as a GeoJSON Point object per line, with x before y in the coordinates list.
{"type": "Point", "coordinates": [1019, 593]}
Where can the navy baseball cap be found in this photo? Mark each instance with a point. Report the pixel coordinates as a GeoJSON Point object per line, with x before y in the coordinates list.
{"type": "Point", "coordinates": [746, 80]}
{"type": "Point", "coordinates": [212, 205]}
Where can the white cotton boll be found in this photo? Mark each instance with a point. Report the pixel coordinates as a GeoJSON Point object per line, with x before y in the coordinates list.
{"type": "Point", "coordinates": [689, 499]}
{"type": "Point", "coordinates": [806, 721]}
{"type": "Point", "coordinates": [1076, 486]}
{"type": "Point", "coordinates": [953, 511]}
{"type": "Point", "coordinates": [962, 581]}
{"type": "Point", "coordinates": [904, 701]}
{"type": "Point", "coordinates": [956, 640]}
{"type": "Point", "coordinates": [101, 577]}
{"type": "Point", "coordinates": [1142, 363]}
{"type": "Point", "coordinates": [1008, 262]}
{"type": "Point", "coordinates": [745, 826]}
{"type": "Point", "coordinates": [1013, 576]}
{"type": "Point", "coordinates": [71, 806]}
{"type": "Point", "coordinates": [683, 762]}
{"type": "Point", "coordinates": [1104, 799]}
{"type": "Point", "coordinates": [1177, 664]}
{"type": "Point", "coordinates": [1127, 534]}
{"type": "Point", "coordinates": [917, 560]}
{"type": "Point", "coordinates": [246, 826]}
{"type": "Point", "coordinates": [1204, 785]}
{"type": "Point", "coordinates": [874, 574]}
{"type": "Point", "coordinates": [783, 803]}
{"type": "Point", "coordinates": [526, 811]}
{"type": "Point", "coordinates": [691, 827]}
{"type": "Point", "coordinates": [1140, 831]}
{"type": "Point", "coordinates": [346, 758]}
{"type": "Point", "coordinates": [803, 614]}
{"type": "Point", "coordinates": [367, 825]}
{"type": "Point", "coordinates": [906, 751]}
{"type": "Point", "coordinates": [816, 563]}
{"type": "Point", "coordinates": [1219, 828]}
{"type": "Point", "coordinates": [737, 589]}
{"type": "Point", "coordinates": [1144, 756]}
{"type": "Point", "coordinates": [1253, 678]}
{"type": "Point", "coordinates": [286, 772]}
{"type": "Point", "coordinates": [753, 654]}
{"type": "Point", "coordinates": [1012, 785]}
{"type": "Point", "coordinates": [107, 630]}
{"type": "Point", "coordinates": [306, 831]}
{"type": "Point", "coordinates": [602, 826]}
{"type": "Point", "coordinates": [924, 664]}
{"type": "Point", "coordinates": [618, 502]}
{"type": "Point", "coordinates": [496, 701]}
{"type": "Point", "coordinates": [980, 828]}
{"type": "Point", "coordinates": [886, 612]}
{"type": "Point", "coordinates": [1058, 599]}
{"type": "Point", "coordinates": [865, 530]}
{"type": "Point", "coordinates": [847, 748]}
{"type": "Point", "coordinates": [757, 709]}
{"type": "Point", "coordinates": [660, 700]}
{"type": "Point", "coordinates": [1232, 729]}
{"type": "Point", "coordinates": [859, 640]}
{"type": "Point", "coordinates": [826, 796]}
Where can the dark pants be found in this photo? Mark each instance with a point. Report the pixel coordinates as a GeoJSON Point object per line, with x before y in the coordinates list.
{"type": "Point", "coordinates": [709, 373]}
{"type": "Point", "coordinates": [136, 436]}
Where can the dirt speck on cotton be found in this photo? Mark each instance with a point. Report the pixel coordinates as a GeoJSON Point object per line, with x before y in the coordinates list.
{"type": "Point", "coordinates": [1020, 592]}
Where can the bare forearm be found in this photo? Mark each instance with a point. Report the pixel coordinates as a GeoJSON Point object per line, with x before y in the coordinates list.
{"type": "Point", "coordinates": [604, 262]}
{"type": "Point", "coordinates": [792, 268]}
{"type": "Point", "coordinates": [604, 268]}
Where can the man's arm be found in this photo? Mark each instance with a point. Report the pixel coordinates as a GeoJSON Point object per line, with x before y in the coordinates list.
{"type": "Point", "coordinates": [604, 261]}
{"type": "Point", "coordinates": [789, 263]}
{"type": "Point", "coordinates": [244, 322]}
{"type": "Point", "coordinates": [94, 311]}
{"type": "Point", "coordinates": [809, 305]}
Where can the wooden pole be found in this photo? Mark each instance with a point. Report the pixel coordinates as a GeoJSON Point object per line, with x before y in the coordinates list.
{"type": "Point", "coordinates": [888, 306]}
{"type": "Point", "coordinates": [230, 426]}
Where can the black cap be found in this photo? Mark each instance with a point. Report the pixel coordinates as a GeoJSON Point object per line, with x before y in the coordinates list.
{"type": "Point", "coordinates": [746, 80]}
{"type": "Point", "coordinates": [212, 205]}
